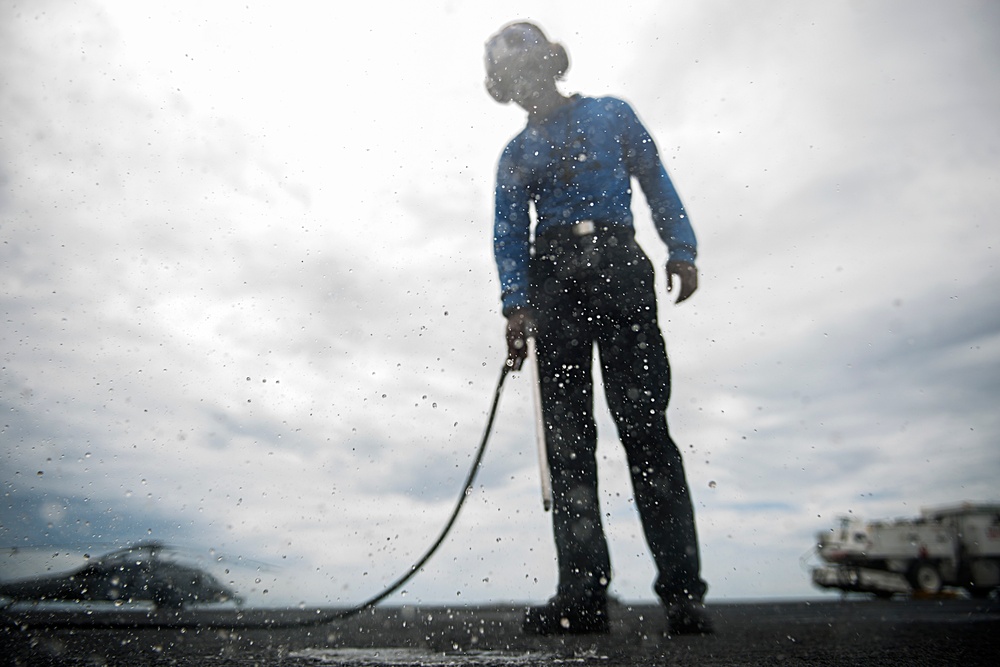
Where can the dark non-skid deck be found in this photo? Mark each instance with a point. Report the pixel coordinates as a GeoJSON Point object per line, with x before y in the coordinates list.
{"type": "Point", "coordinates": [826, 632]}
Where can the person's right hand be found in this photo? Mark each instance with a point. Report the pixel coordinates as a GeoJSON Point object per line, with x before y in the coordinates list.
{"type": "Point", "coordinates": [519, 327]}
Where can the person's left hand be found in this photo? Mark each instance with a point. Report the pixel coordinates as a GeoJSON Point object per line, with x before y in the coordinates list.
{"type": "Point", "coordinates": [687, 275]}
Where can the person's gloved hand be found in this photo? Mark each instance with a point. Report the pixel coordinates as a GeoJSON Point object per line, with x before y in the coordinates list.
{"type": "Point", "coordinates": [687, 275]}
{"type": "Point", "coordinates": [519, 327]}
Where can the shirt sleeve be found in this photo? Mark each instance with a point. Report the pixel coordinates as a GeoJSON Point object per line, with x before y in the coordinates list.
{"type": "Point", "coordinates": [511, 232]}
{"type": "Point", "coordinates": [669, 216]}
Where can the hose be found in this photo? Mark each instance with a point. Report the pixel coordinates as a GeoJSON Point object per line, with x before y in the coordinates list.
{"type": "Point", "coordinates": [245, 619]}
{"type": "Point", "coordinates": [466, 491]}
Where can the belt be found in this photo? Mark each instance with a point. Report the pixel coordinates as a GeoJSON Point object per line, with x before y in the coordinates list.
{"type": "Point", "coordinates": [574, 230]}
{"type": "Point", "coordinates": [583, 228]}
{"type": "Point", "coordinates": [588, 231]}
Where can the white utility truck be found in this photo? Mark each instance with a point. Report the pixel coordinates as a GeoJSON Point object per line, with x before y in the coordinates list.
{"type": "Point", "coordinates": [954, 545]}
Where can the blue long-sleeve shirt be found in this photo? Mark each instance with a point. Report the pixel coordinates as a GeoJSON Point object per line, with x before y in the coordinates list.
{"type": "Point", "coordinates": [575, 165]}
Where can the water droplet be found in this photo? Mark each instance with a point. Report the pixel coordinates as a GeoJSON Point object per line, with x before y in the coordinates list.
{"type": "Point", "coordinates": [711, 484]}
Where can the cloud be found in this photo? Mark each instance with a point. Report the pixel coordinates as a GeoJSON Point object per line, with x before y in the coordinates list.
{"type": "Point", "coordinates": [249, 300]}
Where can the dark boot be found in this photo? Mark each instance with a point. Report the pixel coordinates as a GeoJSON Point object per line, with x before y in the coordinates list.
{"type": "Point", "coordinates": [688, 617]}
{"type": "Point", "coordinates": [568, 616]}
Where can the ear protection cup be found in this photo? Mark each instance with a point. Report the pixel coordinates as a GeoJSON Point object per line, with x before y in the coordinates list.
{"type": "Point", "coordinates": [559, 59]}
{"type": "Point", "coordinates": [515, 41]}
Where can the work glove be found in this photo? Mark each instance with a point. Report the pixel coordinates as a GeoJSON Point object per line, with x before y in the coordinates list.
{"type": "Point", "coordinates": [687, 276]}
{"type": "Point", "coordinates": [520, 326]}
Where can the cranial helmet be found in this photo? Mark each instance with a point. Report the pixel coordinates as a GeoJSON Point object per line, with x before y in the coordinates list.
{"type": "Point", "coordinates": [518, 47]}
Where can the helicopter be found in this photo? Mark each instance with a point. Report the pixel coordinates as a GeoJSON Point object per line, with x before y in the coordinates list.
{"type": "Point", "coordinates": [146, 572]}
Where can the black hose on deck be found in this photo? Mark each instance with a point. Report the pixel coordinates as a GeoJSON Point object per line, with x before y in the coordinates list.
{"type": "Point", "coordinates": [249, 619]}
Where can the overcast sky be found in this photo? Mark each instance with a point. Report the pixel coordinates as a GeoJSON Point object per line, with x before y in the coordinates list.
{"type": "Point", "coordinates": [249, 302]}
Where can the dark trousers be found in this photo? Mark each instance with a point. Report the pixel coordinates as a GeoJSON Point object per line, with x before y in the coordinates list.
{"type": "Point", "coordinates": [598, 289]}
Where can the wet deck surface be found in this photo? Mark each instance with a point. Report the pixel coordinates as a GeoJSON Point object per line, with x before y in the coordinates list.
{"type": "Point", "coordinates": [829, 632]}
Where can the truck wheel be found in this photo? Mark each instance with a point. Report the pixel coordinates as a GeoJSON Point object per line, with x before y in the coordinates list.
{"type": "Point", "coordinates": [925, 578]}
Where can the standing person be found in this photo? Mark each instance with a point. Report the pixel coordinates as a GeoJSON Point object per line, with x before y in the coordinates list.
{"type": "Point", "coordinates": [582, 280]}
